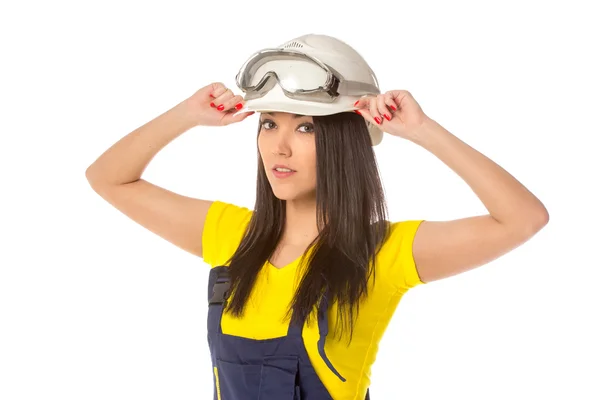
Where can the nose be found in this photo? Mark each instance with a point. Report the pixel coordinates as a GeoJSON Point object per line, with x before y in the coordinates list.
{"type": "Point", "coordinates": [279, 153]}
{"type": "Point", "coordinates": [281, 144]}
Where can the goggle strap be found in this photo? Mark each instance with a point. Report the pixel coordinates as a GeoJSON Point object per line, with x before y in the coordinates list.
{"type": "Point", "coordinates": [355, 88]}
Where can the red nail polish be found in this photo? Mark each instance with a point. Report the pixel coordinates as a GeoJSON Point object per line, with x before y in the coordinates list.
{"type": "Point", "coordinates": [212, 104]}
{"type": "Point", "coordinates": [358, 112]}
{"type": "Point", "coordinates": [356, 103]}
{"type": "Point", "coordinates": [211, 95]}
{"type": "Point", "coordinates": [387, 117]}
{"type": "Point", "coordinates": [238, 106]}
{"type": "Point", "coordinates": [221, 107]}
{"type": "Point", "coordinates": [393, 108]}
{"type": "Point", "coordinates": [378, 120]}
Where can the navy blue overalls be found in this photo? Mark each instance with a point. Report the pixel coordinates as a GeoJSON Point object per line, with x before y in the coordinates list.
{"type": "Point", "coordinates": [268, 369]}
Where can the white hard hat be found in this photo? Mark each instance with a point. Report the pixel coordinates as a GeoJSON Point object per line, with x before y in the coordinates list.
{"type": "Point", "coordinates": [309, 75]}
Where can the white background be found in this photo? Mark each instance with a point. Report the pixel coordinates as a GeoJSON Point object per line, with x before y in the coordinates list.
{"type": "Point", "coordinates": [93, 306]}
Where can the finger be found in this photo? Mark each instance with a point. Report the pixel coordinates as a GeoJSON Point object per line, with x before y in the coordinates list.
{"type": "Point", "coordinates": [389, 101]}
{"type": "Point", "coordinates": [232, 117]}
{"type": "Point", "coordinates": [365, 114]}
{"type": "Point", "coordinates": [216, 93]}
{"type": "Point", "coordinates": [215, 89]}
{"type": "Point", "coordinates": [235, 103]}
{"type": "Point", "coordinates": [362, 102]}
{"type": "Point", "coordinates": [222, 98]}
{"type": "Point", "coordinates": [398, 96]}
{"type": "Point", "coordinates": [375, 112]}
{"type": "Point", "coordinates": [382, 107]}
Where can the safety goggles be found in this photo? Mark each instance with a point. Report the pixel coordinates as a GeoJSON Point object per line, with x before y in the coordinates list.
{"type": "Point", "coordinates": [300, 76]}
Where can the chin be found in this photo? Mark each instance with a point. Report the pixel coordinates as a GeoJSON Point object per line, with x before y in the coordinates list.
{"type": "Point", "coordinates": [286, 194]}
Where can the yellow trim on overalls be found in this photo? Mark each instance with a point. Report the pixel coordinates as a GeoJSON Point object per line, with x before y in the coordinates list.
{"type": "Point", "coordinates": [217, 383]}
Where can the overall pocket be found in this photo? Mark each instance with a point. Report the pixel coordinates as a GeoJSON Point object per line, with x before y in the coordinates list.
{"type": "Point", "coordinates": [278, 378]}
{"type": "Point", "coordinates": [238, 381]}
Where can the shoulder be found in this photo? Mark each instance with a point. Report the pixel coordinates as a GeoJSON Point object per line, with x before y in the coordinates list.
{"type": "Point", "coordinates": [395, 261]}
{"type": "Point", "coordinates": [221, 212]}
{"type": "Point", "coordinates": [224, 228]}
{"type": "Point", "coordinates": [400, 236]}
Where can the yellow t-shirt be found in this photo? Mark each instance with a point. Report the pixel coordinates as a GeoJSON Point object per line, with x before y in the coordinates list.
{"type": "Point", "coordinates": [270, 298]}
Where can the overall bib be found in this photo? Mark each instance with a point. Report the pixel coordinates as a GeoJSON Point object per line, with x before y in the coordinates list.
{"type": "Point", "coordinates": [267, 369]}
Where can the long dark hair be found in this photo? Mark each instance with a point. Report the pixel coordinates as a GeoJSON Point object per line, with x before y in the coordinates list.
{"type": "Point", "coordinates": [351, 219]}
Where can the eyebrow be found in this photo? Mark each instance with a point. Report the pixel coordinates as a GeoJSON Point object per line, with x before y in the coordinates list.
{"type": "Point", "coordinates": [294, 115]}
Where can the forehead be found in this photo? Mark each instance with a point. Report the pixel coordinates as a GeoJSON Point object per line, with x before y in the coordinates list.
{"type": "Point", "coordinates": [284, 115]}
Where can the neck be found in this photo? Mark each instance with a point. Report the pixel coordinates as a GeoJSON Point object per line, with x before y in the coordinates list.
{"type": "Point", "coordinates": [301, 222]}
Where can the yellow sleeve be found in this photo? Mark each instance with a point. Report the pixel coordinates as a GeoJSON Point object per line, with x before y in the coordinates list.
{"type": "Point", "coordinates": [223, 231]}
{"type": "Point", "coordinates": [396, 261]}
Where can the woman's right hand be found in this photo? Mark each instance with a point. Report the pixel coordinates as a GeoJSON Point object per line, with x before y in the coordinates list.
{"type": "Point", "coordinates": [215, 105]}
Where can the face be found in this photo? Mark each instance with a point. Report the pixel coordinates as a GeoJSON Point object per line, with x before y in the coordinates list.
{"type": "Point", "coordinates": [289, 139]}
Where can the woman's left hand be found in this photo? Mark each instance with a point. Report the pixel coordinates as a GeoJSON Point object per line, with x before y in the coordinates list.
{"type": "Point", "coordinates": [395, 112]}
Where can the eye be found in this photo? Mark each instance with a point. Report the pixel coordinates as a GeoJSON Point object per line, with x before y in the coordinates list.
{"type": "Point", "coordinates": [309, 128]}
{"type": "Point", "coordinates": [265, 124]}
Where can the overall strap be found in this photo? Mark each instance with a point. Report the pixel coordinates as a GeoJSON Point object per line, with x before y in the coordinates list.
{"type": "Point", "coordinates": [295, 330]}
{"type": "Point", "coordinates": [219, 284]}
{"type": "Point", "coordinates": [323, 331]}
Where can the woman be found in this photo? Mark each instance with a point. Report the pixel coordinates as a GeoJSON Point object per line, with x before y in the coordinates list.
{"type": "Point", "coordinates": [302, 287]}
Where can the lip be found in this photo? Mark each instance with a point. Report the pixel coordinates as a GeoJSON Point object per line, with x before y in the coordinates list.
{"type": "Point", "coordinates": [282, 175]}
{"type": "Point", "coordinates": [282, 166]}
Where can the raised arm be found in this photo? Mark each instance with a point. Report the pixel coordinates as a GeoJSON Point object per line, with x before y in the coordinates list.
{"type": "Point", "coordinates": [445, 248]}
{"type": "Point", "coordinates": [116, 174]}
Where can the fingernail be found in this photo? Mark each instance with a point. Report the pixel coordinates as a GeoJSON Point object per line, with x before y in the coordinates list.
{"type": "Point", "coordinates": [393, 108]}
{"type": "Point", "coordinates": [358, 112]}
{"type": "Point", "coordinates": [387, 117]}
{"type": "Point", "coordinates": [221, 107]}
{"type": "Point", "coordinates": [211, 95]}
{"type": "Point", "coordinates": [238, 106]}
{"type": "Point", "coordinates": [378, 120]}
{"type": "Point", "coordinates": [212, 104]}
{"type": "Point", "coordinates": [356, 103]}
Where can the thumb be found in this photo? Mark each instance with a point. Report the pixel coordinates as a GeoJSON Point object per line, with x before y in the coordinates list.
{"type": "Point", "coordinates": [232, 118]}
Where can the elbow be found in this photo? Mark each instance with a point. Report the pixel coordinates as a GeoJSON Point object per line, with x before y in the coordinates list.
{"type": "Point", "coordinates": [528, 224]}
{"type": "Point", "coordinates": [537, 221]}
{"type": "Point", "coordinates": [541, 217]}
{"type": "Point", "coordinates": [93, 177]}
{"type": "Point", "coordinates": [544, 218]}
{"type": "Point", "coordinates": [89, 174]}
